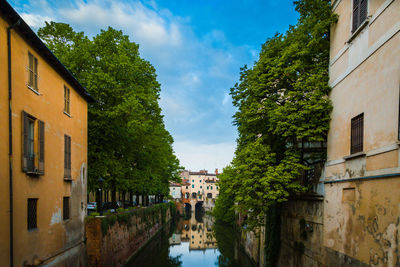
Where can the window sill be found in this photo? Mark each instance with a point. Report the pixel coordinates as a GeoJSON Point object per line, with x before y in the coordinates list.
{"type": "Point", "coordinates": [33, 173]}
{"type": "Point", "coordinates": [66, 113]}
{"type": "Point", "coordinates": [359, 29]}
{"type": "Point", "coordinates": [355, 155]}
{"type": "Point", "coordinates": [68, 179]}
{"type": "Point", "coordinates": [33, 90]}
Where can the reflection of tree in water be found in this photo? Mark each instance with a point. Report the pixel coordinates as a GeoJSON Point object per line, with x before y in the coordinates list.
{"type": "Point", "coordinates": [158, 246]}
{"type": "Point", "coordinates": [174, 261]}
{"type": "Point", "coordinates": [226, 244]}
{"type": "Point", "coordinates": [228, 247]}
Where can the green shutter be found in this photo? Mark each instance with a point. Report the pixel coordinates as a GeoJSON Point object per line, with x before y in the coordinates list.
{"type": "Point", "coordinates": [24, 162]}
{"type": "Point", "coordinates": [41, 148]}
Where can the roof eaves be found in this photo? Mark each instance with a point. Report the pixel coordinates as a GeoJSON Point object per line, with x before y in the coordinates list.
{"type": "Point", "coordinates": [12, 17]}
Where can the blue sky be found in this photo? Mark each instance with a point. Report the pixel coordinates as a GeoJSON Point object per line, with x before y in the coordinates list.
{"type": "Point", "coordinates": [197, 48]}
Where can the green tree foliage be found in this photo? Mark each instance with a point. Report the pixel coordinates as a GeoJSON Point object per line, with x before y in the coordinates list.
{"type": "Point", "coordinates": [281, 101]}
{"type": "Point", "coordinates": [128, 144]}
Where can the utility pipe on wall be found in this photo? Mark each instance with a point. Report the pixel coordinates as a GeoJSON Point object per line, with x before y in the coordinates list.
{"type": "Point", "coordinates": [10, 150]}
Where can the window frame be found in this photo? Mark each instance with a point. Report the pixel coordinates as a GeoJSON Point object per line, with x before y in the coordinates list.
{"type": "Point", "coordinates": [33, 145]}
{"type": "Point", "coordinates": [66, 208]}
{"type": "Point", "coordinates": [356, 25]}
{"type": "Point", "coordinates": [357, 134]}
{"type": "Point", "coordinates": [67, 100]}
{"type": "Point", "coordinates": [32, 218]}
{"type": "Point", "coordinates": [33, 76]}
{"type": "Point", "coordinates": [67, 157]}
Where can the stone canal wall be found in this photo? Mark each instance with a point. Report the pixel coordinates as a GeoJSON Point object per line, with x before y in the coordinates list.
{"type": "Point", "coordinates": [302, 233]}
{"type": "Point", "coordinates": [113, 238]}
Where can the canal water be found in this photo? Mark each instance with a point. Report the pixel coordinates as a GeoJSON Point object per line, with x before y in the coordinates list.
{"type": "Point", "coordinates": [194, 241]}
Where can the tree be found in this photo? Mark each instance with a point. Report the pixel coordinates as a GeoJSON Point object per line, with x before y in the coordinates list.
{"type": "Point", "coordinates": [128, 144]}
{"type": "Point", "coordinates": [282, 102]}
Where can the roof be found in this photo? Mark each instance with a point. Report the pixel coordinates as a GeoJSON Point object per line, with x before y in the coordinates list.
{"type": "Point", "coordinates": [202, 173]}
{"type": "Point", "coordinates": [22, 28]}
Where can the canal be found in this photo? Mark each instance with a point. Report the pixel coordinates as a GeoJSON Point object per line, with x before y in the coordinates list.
{"type": "Point", "coordinates": [194, 241]}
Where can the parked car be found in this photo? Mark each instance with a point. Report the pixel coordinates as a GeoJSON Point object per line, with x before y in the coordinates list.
{"type": "Point", "coordinates": [111, 207]}
{"type": "Point", "coordinates": [91, 206]}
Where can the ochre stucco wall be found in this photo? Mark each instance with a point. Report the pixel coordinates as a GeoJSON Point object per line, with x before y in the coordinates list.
{"type": "Point", "coordinates": [53, 235]}
{"type": "Point", "coordinates": [368, 227]}
{"type": "Point", "coordinates": [362, 217]}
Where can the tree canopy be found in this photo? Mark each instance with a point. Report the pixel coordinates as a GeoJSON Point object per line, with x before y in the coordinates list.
{"type": "Point", "coordinates": [128, 145]}
{"type": "Point", "coordinates": [282, 101]}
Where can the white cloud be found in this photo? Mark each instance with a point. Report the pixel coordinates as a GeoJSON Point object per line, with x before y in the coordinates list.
{"type": "Point", "coordinates": [35, 21]}
{"type": "Point", "coordinates": [195, 156]}
{"type": "Point", "coordinates": [142, 23]}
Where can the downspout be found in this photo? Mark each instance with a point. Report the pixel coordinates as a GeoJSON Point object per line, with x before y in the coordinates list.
{"type": "Point", "coordinates": [10, 150]}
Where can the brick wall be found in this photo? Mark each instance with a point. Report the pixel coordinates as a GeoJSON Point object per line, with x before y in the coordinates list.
{"type": "Point", "coordinates": [111, 241]}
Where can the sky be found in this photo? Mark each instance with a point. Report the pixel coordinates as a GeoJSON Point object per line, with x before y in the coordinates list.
{"type": "Point", "coordinates": [197, 48]}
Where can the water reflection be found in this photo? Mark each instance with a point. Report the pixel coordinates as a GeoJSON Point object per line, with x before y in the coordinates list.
{"type": "Point", "coordinates": [193, 241]}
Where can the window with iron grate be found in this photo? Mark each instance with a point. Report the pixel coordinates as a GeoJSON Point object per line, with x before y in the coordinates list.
{"type": "Point", "coordinates": [357, 134]}
{"type": "Point", "coordinates": [66, 208]}
{"type": "Point", "coordinates": [32, 213]}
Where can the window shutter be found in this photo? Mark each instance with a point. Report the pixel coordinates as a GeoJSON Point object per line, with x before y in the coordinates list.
{"type": "Point", "coordinates": [65, 155]}
{"type": "Point", "coordinates": [69, 156]}
{"type": "Point", "coordinates": [24, 141]}
{"type": "Point", "coordinates": [363, 10]}
{"type": "Point", "coordinates": [41, 147]}
{"type": "Point", "coordinates": [355, 14]}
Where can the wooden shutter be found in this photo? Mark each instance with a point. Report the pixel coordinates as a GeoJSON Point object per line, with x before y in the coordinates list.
{"type": "Point", "coordinates": [24, 141]}
{"type": "Point", "coordinates": [67, 156]}
{"type": "Point", "coordinates": [363, 11]}
{"type": "Point", "coordinates": [355, 14]}
{"type": "Point", "coordinates": [41, 147]}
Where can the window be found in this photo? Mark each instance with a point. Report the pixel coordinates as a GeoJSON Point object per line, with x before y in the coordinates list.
{"type": "Point", "coordinates": [66, 100]}
{"type": "Point", "coordinates": [192, 185]}
{"type": "Point", "coordinates": [200, 181]}
{"type": "Point", "coordinates": [66, 208]}
{"type": "Point", "coordinates": [207, 187]}
{"type": "Point", "coordinates": [33, 149]}
{"type": "Point", "coordinates": [187, 187]}
{"type": "Point", "coordinates": [357, 134]}
{"type": "Point", "coordinates": [201, 187]}
{"type": "Point", "coordinates": [211, 187]}
{"type": "Point", "coordinates": [67, 156]}
{"type": "Point", "coordinates": [32, 213]}
{"type": "Point", "coordinates": [360, 9]}
{"type": "Point", "coordinates": [33, 73]}
{"type": "Point", "coordinates": [216, 187]}
{"type": "Point", "coordinates": [209, 195]}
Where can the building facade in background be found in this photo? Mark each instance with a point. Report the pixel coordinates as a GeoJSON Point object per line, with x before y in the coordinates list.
{"type": "Point", "coordinates": [199, 188]}
{"type": "Point", "coordinates": [43, 152]}
{"type": "Point", "coordinates": [362, 173]}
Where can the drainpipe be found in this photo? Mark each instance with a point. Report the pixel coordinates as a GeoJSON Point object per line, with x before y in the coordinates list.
{"type": "Point", "coordinates": [10, 150]}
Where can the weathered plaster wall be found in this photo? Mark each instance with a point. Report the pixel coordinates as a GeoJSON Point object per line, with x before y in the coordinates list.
{"type": "Point", "coordinates": [362, 220]}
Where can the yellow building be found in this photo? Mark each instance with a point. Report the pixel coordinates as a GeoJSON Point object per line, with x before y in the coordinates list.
{"type": "Point", "coordinates": [43, 152]}
{"type": "Point", "coordinates": [362, 174]}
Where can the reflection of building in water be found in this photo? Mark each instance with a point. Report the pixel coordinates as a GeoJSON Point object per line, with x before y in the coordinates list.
{"type": "Point", "coordinates": [199, 234]}
{"type": "Point", "coordinates": [175, 239]}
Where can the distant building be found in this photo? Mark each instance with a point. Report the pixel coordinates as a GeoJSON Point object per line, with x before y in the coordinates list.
{"type": "Point", "coordinates": [200, 186]}
{"type": "Point", "coordinates": [43, 152]}
{"type": "Point", "coordinates": [175, 191]}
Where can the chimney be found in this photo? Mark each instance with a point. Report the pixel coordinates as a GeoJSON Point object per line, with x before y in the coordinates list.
{"type": "Point", "coordinates": [216, 171]}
